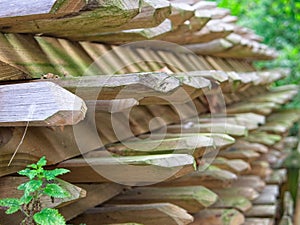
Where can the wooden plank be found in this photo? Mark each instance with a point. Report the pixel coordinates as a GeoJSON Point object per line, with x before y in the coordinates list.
{"type": "Point", "coordinates": [127, 36]}
{"type": "Point", "coordinates": [250, 181]}
{"type": "Point", "coordinates": [19, 9]}
{"type": "Point", "coordinates": [213, 177]}
{"type": "Point", "coordinates": [96, 195]}
{"type": "Point", "coordinates": [150, 214]}
{"type": "Point", "coordinates": [265, 211]}
{"type": "Point", "coordinates": [100, 167]}
{"type": "Point", "coordinates": [263, 108]}
{"type": "Point", "coordinates": [180, 13]}
{"type": "Point", "coordinates": [114, 15]}
{"type": "Point", "coordinates": [246, 155]}
{"type": "Point", "coordinates": [194, 145]}
{"type": "Point", "coordinates": [236, 166]}
{"type": "Point", "coordinates": [190, 198]}
{"type": "Point", "coordinates": [237, 202]}
{"type": "Point", "coordinates": [247, 192]}
{"type": "Point", "coordinates": [218, 217]}
{"type": "Point", "coordinates": [258, 221]}
{"type": "Point", "coordinates": [214, 127]}
{"type": "Point", "coordinates": [109, 87]}
{"type": "Point", "coordinates": [214, 46]}
{"type": "Point", "coordinates": [39, 104]}
{"type": "Point", "coordinates": [112, 106]}
{"type": "Point", "coordinates": [263, 138]}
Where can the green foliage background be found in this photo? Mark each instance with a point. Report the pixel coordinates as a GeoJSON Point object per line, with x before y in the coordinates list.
{"type": "Point", "coordinates": [278, 21]}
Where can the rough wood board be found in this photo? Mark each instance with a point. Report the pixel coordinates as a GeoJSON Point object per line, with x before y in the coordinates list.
{"type": "Point", "coordinates": [147, 214]}
{"type": "Point", "coordinates": [113, 16]}
{"type": "Point", "coordinates": [40, 104]}
{"type": "Point", "coordinates": [139, 170]}
{"type": "Point", "coordinates": [218, 217]}
{"type": "Point", "coordinates": [190, 198]}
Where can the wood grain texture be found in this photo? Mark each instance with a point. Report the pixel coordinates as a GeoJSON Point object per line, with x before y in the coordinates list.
{"type": "Point", "coordinates": [148, 214]}
{"type": "Point", "coordinates": [40, 104]}
{"type": "Point", "coordinates": [190, 198]}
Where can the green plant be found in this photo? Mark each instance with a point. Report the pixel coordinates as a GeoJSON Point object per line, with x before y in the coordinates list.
{"type": "Point", "coordinates": [41, 182]}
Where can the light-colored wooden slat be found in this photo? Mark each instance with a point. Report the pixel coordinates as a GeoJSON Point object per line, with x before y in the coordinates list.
{"type": "Point", "coordinates": [263, 138]}
{"type": "Point", "coordinates": [246, 155]}
{"type": "Point", "coordinates": [49, 8]}
{"type": "Point", "coordinates": [195, 145]}
{"type": "Point", "coordinates": [213, 177]}
{"type": "Point", "coordinates": [110, 87]}
{"type": "Point", "coordinates": [180, 13]}
{"type": "Point", "coordinates": [114, 15]}
{"type": "Point", "coordinates": [190, 198]}
{"type": "Point", "coordinates": [152, 214]}
{"type": "Point", "coordinates": [214, 127]}
{"type": "Point", "coordinates": [236, 166]}
{"type": "Point", "coordinates": [250, 181]}
{"type": "Point", "coordinates": [237, 202]}
{"type": "Point", "coordinates": [258, 221]}
{"type": "Point", "coordinates": [265, 211]}
{"type": "Point", "coordinates": [126, 36]}
{"type": "Point", "coordinates": [39, 104]}
{"type": "Point", "coordinates": [218, 217]}
{"type": "Point", "coordinates": [247, 192]}
{"type": "Point", "coordinates": [133, 170]}
{"type": "Point", "coordinates": [112, 106]}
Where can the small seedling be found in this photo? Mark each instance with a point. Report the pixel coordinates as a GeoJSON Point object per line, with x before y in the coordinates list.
{"type": "Point", "coordinates": [41, 183]}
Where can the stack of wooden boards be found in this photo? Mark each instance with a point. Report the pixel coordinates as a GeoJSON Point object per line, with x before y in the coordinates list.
{"type": "Point", "coordinates": [197, 125]}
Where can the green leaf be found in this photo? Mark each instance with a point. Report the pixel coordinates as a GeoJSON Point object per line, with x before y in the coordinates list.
{"type": "Point", "coordinates": [34, 166]}
{"type": "Point", "coordinates": [25, 199]}
{"type": "Point", "coordinates": [30, 186]}
{"type": "Point", "coordinates": [49, 217]}
{"type": "Point", "coordinates": [54, 190]}
{"type": "Point", "coordinates": [13, 205]}
{"type": "Point", "coordinates": [51, 174]}
{"type": "Point", "coordinates": [28, 173]}
{"type": "Point", "coordinates": [42, 162]}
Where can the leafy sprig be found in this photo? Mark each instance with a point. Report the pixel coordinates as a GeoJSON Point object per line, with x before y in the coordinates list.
{"type": "Point", "coordinates": [41, 182]}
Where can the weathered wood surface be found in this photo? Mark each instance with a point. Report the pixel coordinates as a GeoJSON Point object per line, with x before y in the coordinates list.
{"type": "Point", "coordinates": [218, 217]}
{"type": "Point", "coordinates": [112, 15]}
{"type": "Point", "coordinates": [236, 202]}
{"type": "Point", "coordinates": [214, 127]}
{"type": "Point", "coordinates": [236, 166]}
{"type": "Point", "coordinates": [109, 87]}
{"type": "Point", "coordinates": [258, 221]}
{"type": "Point", "coordinates": [246, 155]}
{"type": "Point", "coordinates": [127, 36]}
{"type": "Point", "coordinates": [181, 12]}
{"type": "Point", "coordinates": [265, 211]}
{"type": "Point", "coordinates": [156, 144]}
{"type": "Point", "coordinates": [138, 169]}
{"type": "Point", "coordinates": [39, 104]}
{"type": "Point", "coordinates": [148, 214]}
{"type": "Point", "coordinates": [112, 106]}
{"type": "Point", "coordinates": [96, 195]}
{"type": "Point", "coordinates": [247, 192]}
{"type": "Point", "coordinates": [250, 181]}
{"type": "Point", "coordinates": [190, 198]}
{"type": "Point", "coordinates": [213, 177]}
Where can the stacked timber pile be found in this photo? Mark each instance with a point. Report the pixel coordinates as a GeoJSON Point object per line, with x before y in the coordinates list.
{"type": "Point", "coordinates": [196, 124]}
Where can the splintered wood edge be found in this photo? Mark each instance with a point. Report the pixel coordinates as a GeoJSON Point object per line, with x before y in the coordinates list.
{"type": "Point", "coordinates": [47, 105]}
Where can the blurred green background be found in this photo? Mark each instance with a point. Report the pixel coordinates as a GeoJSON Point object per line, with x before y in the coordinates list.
{"type": "Point", "coordinates": [278, 21]}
